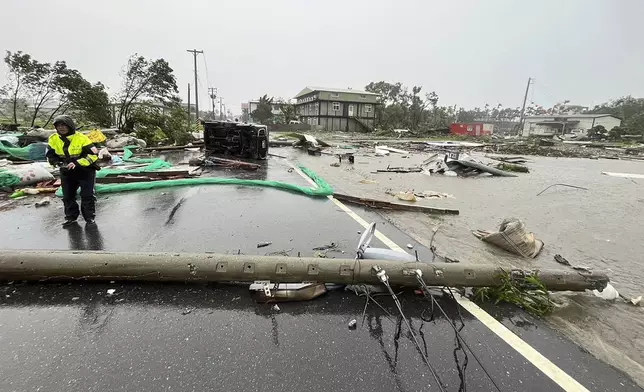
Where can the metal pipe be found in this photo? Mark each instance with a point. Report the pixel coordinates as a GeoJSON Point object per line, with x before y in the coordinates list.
{"type": "Point", "coordinates": [39, 265]}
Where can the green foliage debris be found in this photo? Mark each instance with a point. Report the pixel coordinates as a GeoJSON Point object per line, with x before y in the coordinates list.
{"type": "Point", "coordinates": [527, 292]}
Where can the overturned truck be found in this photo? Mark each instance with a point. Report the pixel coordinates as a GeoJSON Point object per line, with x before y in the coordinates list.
{"type": "Point", "coordinates": [234, 138]}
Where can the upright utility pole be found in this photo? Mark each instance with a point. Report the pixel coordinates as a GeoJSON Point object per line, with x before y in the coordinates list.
{"type": "Point", "coordinates": [189, 114]}
{"type": "Point", "coordinates": [525, 99]}
{"type": "Point", "coordinates": [195, 52]}
{"type": "Point", "coordinates": [221, 113]}
{"type": "Point", "coordinates": [213, 96]}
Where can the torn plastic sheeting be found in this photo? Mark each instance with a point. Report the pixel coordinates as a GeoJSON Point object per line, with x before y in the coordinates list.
{"type": "Point", "coordinates": [322, 189]}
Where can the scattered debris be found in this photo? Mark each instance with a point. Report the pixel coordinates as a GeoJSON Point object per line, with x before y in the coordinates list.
{"type": "Point", "coordinates": [266, 292]}
{"type": "Point", "coordinates": [570, 186]}
{"type": "Point", "coordinates": [187, 311]}
{"type": "Point", "coordinates": [365, 181]}
{"type": "Point", "coordinates": [561, 260]}
{"type": "Point", "coordinates": [284, 252]}
{"type": "Point", "coordinates": [392, 206]}
{"type": "Point", "coordinates": [511, 167]}
{"type": "Point", "coordinates": [75, 298]}
{"type": "Point", "coordinates": [410, 246]}
{"type": "Point", "coordinates": [391, 149]}
{"type": "Point", "coordinates": [276, 308]}
{"type": "Point", "coordinates": [513, 237]}
{"type": "Point", "coordinates": [464, 167]}
{"type": "Point", "coordinates": [635, 301]}
{"type": "Point", "coordinates": [336, 164]}
{"type": "Point", "coordinates": [312, 144]}
{"type": "Point", "coordinates": [230, 163]}
{"type": "Point", "coordinates": [515, 160]}
{"type": "Point", "coordinates": [353, 324]}
{"type": "Point", "coordinates": [433, 195]}
{"type": "Point", "coordinates": [380, 152]}
{"type": "Point", "coordinates": [609, 293]}
{"type": "Point", "coordinates": [264, 244]}
{"type": "Point", "coordinates": [400, 170]}
{"type": "Point", "coordinates": [321, 251]}
{"type": "Point", "coordinates": [406, 196]}
{"type": "Point", "coordinates": [111, 291]}
{"type": "Point", "coordinates": [478, 167]}
{"type": "Point", "coordinates": [44, 202]}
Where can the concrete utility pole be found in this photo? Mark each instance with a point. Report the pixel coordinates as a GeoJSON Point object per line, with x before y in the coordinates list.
{"type": "Point", "coordinates": [221, 113]}
{"type": "Point", "coordinates": [40, 265]}
{"type": "Point", "coordinates": [213, 96]}
{"type": "Point", "coordinates": [195, 52]}
{"type": "Point", "coordinates": [189, 114]}
{"type": "Point", "coordinates": [525, 99]}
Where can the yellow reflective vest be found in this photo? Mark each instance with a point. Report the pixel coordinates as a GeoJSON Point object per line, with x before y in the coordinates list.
{"type": "Point", "coordinates": [75, 148]}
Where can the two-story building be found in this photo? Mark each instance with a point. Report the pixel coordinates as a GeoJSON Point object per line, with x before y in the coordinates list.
{"type": "Point", "coordinates": [337, 109]}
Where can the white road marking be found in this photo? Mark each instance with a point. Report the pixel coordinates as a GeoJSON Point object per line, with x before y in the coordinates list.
{"type": "Point", "coordinates": [561, 378]}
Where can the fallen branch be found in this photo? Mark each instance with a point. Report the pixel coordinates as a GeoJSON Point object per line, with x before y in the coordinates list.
{"type": "Point", "coordinates": [570, 186]}
{"type": "Point", "coordinates": [385, 205]}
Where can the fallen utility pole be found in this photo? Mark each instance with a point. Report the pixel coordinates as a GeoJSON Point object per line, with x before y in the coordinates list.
{"type": "Point", "coordinates": [385, 205]}
{"type": "Point", "coordinates": [31, 265]}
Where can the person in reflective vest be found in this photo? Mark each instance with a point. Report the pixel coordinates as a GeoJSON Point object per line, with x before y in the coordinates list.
{"type": "Point", "coordinates": [76, 156]}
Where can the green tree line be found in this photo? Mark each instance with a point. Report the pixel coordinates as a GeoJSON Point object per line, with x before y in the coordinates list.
{"type": "Point", "coordinates": [147, 101]}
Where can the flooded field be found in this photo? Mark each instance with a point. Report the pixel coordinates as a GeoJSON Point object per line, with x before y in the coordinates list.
{"type": "Point", "coordinates": [597, 228]}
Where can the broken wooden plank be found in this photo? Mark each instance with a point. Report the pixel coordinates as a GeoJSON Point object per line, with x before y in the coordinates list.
{"type": "Point", "coordinates": [216, 161]}
{"type": "Point", "coordinates": [385, 205]}
{"type": "Point", "coordinates": [400, 170]}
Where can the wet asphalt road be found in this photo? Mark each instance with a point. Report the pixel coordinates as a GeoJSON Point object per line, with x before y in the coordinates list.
{"type": "Point", "coordinates": [151, 337]}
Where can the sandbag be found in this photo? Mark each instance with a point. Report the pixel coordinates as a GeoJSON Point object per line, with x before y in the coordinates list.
{"type": "Point", "coordinates": [513, 237]}
{"type": "Point", "coordinates": [29, 174]}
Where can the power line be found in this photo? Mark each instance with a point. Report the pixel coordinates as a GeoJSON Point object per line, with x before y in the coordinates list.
{"type": "Point", "coordinates": [205, 63]}
{"type": "Point", "coordinates": [382, 276]}
{"type": "Point", "coordinates": [457, 331]}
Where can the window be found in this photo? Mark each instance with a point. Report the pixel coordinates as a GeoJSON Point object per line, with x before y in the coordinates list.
{"type": "Point", "coordinates": [363, 96]}
{"type": "Point", "coordinates": [367, 108]}
{"type": "Point", "coordinates": [336, 106]}
{"type": "Point", "coordinates": [335, 95]}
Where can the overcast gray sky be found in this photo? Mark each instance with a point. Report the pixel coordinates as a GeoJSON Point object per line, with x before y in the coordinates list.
{"type": "Point", "coordinates": [469, 51]}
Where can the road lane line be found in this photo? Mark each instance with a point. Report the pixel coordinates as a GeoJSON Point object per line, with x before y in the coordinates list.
{"type": "Point", "coordinates": [356, 217]}
{"type": "Point", "coordinates": [561, 378]}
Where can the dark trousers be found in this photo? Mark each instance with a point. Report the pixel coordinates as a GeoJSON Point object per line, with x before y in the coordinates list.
{"type": "Point", "coordinates": [72, 180]}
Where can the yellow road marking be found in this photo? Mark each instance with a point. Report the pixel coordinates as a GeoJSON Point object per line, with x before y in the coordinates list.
{"type": "Point", "coordinates": [561, 378]}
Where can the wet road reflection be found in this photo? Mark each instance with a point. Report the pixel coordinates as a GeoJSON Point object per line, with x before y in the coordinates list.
{"type": "Point", "coordinates": [89, 238]}
{"type": "Point", "coordinates": [227, 341]}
